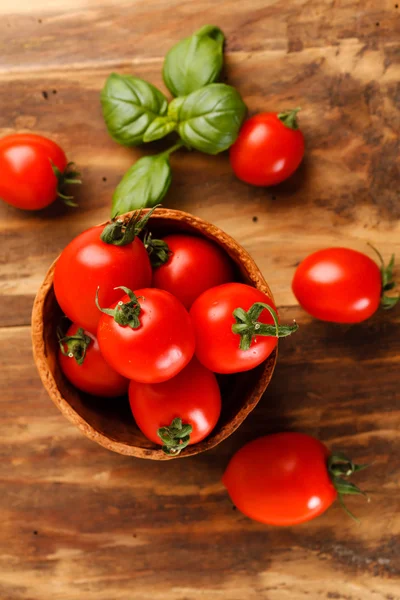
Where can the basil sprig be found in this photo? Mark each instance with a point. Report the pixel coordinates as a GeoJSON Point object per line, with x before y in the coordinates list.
{"type": "Point", "coordinates": [205, 115]}
{"type": "Point", "coordinates": [194, 62]}
{"type": "Point", "coordinates": [130, 105]}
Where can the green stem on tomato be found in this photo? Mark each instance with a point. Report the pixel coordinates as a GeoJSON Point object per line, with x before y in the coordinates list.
{"type": "Point", "coordinates": [289, 118]}
{"type": "Point", "coordinates": [247, 325]}
{"type": "Point", "coordinates": [66, 177]}
{"type": "Point", "coordinates": [388, 282]}
{"type": "Point", "coordinates": [125, 313]}
{"type": "Point", "coordinates": [77, 344]}
{"type": "Point", "coordinates": [339, 468]}
{"type": "Point", "coordinates": [158, 250]}
{"type": "Point", "coordinates": [123, 231]}
{"type": "Point", "coordinates": [175, 437]}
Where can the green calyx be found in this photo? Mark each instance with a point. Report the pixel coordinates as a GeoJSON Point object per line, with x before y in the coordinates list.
{"type": "Point", "coordinates": [388, 282]}
{"type": "Point", "coordinates": [123, 231]}
{"type": "Point", "coordinates": [66, 177]}
{"type": "Point", "coordinates": [340, 467]}
{"type": "Point", "coordinates": [125, 313]}
{"type": "Point", "coordinates": [76, 344]}
{"type": "Point", "coordinates": [289, 118]}
{"type": "Point", "coordinates": [248, 326]}
{"type": "Point", "coordinates": [158, 250]}
{"type": "Point", "coordinates": [175, 437]}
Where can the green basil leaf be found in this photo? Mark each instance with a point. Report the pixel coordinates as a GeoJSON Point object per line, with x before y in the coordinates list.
{"type": "Point", "coordinates": [130, 105]}
{"type": "Point", "coordinates": [194, 62]}
{"type": "Point", "coordinates": [143, 186]}
{"type": "Point", "coordinates": [159, 128]}
{"type": "Point", "coordinates": [210, 118]}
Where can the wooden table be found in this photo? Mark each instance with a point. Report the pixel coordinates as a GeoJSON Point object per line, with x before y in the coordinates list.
{"type": "Point", "coordinates": [80, 522]}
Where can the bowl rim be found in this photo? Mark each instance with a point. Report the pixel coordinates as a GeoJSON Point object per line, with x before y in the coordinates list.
{"type": "Point", "coordinates": [39, 348]}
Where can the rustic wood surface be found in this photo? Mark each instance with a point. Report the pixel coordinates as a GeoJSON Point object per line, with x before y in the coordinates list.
{"type": "Point", "coordinates": [80, 522]}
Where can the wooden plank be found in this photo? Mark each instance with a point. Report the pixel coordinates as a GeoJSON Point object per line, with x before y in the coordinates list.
{"type": "Point", "coordinates": [71, 31]}
{"type": "Point", "coordinates": [105, 526]}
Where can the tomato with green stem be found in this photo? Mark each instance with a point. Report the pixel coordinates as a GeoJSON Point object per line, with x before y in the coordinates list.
{"type": "Point", "coordinates": [181, 411]}
{"type": "Point", "coordinates": [269, 148]}
{"type": "Point", "coordinates": [342, 285]}
{"type": "Point", "coordinates": [288, 478]}
{"type": "Point", "coordinates": [34, 171]}
{"type": "Point", "coordinates": [186, 265]}
{"type": "Point", "coordinates": [101, 257]}
{"type": "Point", "coordinates": [83, 364]}
{"type": "Point", "coordinates": [147, 335]}
{"type": "Point", "coordinates": [236, 327]}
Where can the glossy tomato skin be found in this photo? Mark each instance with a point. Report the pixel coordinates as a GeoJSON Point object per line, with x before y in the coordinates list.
{"type": "Point", "coordinates": [94, 375]}
{"type": "Point", "coordinates": [156, 351]}
{"type": "Point", "coordinates": [217, 347]}
{"type": "Point", "coordinates": [88, 263]}
{"type": "Point", "coordinates": [193, 395]}
{"type": "Point", "coordinates": [338, 285]}
{"type": "Point", "coordinates": [266, 151]}
{"type": "Point", "coordinates": [195, 265]}
{"type": "Point", "coordinates": [281, 479]}
{"type": "Point", "coordinates": [27, 180]}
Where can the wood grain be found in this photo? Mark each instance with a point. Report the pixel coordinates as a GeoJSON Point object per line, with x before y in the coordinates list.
{"type": "Point", "coordinates": [78, 521]}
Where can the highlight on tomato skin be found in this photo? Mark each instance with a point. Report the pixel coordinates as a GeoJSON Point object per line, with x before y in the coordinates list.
{"type": "Point", "coordinates": [342, 285]}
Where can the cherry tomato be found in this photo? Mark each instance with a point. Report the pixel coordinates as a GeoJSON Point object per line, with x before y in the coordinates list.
{"type": "Point", "coordinates": [146, 336]}
{"type": "Point", "coordinates": [88, 263]}
{"type": "Point", "coordinates": [83, 365]}
{"type": "Point", "coordinates": [339, 285]}
{"type": "Point", "coordinates": [287, 478]}
{"type": "Point", "coordinates": [269, 149]}
{"type": "Point", "coordinates": [193, 266]}
{"type": "Point", "coordinates": [192, 396]}
{"type": "Point", "coordinates": [218, 347]}
{"type": "Point", "coordinates": [33, 171]}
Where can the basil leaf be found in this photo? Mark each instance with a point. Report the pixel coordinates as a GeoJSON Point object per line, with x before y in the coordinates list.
{"type": "Point", "coordinates": [194, 62]}
{"type": "Point", "coordinates": [159, 128]}
{"type": "Point", "coordinates": [210, 118]}
{"type": "Point", "coordinates": [144, 185]}
{"type": "Point", "coordinates": [130, 105]}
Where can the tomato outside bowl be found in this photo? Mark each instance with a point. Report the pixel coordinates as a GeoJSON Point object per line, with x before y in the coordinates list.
{"type": "Point", "coordinates": [109, 422]}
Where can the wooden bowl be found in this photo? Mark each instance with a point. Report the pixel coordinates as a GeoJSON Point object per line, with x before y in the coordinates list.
{"type": "Point", "coordinates": [109, 422]}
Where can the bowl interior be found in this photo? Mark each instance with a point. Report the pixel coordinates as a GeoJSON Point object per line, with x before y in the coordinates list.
{"type": "Point", "coordinates": [109, 421]}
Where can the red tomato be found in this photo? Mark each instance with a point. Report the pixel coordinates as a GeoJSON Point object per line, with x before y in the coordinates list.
{"type": "Point", "coordinates": [27, 179]}
{"type": "Point", "coordinates": [88, 263]}
{"type": "Point", "coordinates": [195, 265]}
{"type": "Point", "coordinates": [192, 396]}
{"type": "Point", "coordinates": [339, 285]}
{"type": "Point", "coordinates": [268, 150]}
{"type": "Point", "coordinates": [217, 346]}
{"type": "Point", "coordinates": [281, 479]}
{"type": "Point", "coordinates": [156, 340]}
{"type": "Point", "coordinates": [83, 364]}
